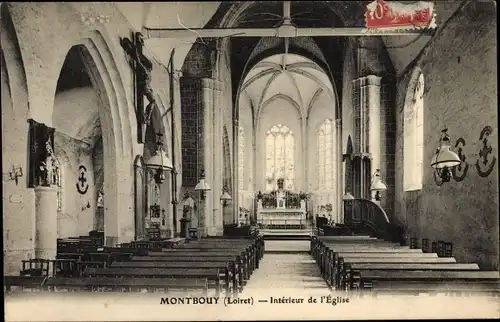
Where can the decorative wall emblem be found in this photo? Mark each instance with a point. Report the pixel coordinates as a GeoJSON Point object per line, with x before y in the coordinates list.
{"type": "Point", "coordinates": [459, 172]}
{"type": "Point", "coordinates": [485, 165]}
{"type": "Point", "coordinates": [82, 184]}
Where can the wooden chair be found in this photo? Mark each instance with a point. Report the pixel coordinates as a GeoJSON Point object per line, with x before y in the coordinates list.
{"type": "Point", "coordinates": [35, 267]}
{"type": "Point", "coordinates": [425, 245]}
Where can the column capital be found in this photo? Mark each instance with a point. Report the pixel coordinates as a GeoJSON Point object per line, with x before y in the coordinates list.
{"type": "Point", "coordinates": [367, 81]}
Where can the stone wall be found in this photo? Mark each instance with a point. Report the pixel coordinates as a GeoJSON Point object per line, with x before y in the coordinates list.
{"type": "Point", "coordinates": [460, 74]}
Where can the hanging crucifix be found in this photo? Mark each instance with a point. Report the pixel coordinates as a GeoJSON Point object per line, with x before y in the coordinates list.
{"type": "Point", "coordinates": [142, 68]}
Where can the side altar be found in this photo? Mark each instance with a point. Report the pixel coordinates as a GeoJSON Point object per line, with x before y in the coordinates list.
{"type": "Point", "coordinates": [281, 209]}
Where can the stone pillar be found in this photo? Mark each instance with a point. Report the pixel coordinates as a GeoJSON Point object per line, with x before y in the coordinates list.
{"type": "Point", "coordinates": [218, 159]}
{"type": "Point", "coordinates": [207, 106]}
{"type": "Point", "coordinates": [236, 193]}
{"type": "Point", "coordinates": [339, 191]}
{"type": "Point", "coordinates": [369, 110]}
{"type": "Point", "coordinates": [45, 222]}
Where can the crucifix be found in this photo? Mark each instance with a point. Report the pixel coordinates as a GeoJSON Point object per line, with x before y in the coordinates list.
{"type": "Point", "coordinates": [142, 68]}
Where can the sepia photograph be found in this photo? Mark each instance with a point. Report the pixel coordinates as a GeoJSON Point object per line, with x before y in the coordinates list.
{"type": "Point", "coordinates": [250, 160]}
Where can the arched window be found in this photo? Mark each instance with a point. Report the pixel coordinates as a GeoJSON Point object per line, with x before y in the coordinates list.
{"type": "Point", "coordinates": [280, 147]}
{"type": "Point", "coordinates": [325, 142]}
{"type": "Point", "coordinates": [241, 161]}
{"type": "Point", "coordinates": [414, 138]}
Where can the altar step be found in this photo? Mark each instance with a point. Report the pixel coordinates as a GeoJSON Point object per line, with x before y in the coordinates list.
{"type": "Point", "coordinates": [286, 234]}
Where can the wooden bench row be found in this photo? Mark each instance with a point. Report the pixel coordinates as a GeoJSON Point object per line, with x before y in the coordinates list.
{"type": "Point", "coordinates": [226, 265]}
{"type": "Point", "coordinates": [103, 284]}
{"type": "Point", "coordinates": [355, 264]}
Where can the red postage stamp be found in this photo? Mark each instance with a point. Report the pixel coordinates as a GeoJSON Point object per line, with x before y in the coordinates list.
{"type": "Point", "coordinates": [392, 15]}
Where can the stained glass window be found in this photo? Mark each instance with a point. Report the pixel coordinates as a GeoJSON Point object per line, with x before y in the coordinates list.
{"type": "Point", "coordinates": [280, 147]}
{"type": "Point", "coordinates": [414, 138]}
{"type": "Point", "coordinates": [325, 142]}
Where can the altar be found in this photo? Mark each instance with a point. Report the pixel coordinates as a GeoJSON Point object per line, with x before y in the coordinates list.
{"type": "Point", "coordinates": [281, 218]}
{"type": "Point", "coordinates": [282, 210]}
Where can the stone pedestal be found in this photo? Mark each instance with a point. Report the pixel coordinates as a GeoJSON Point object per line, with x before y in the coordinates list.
{"type": "Point", "coordinates": [185, 225]}
{"type": "Point", "coordinates": [45, 222]}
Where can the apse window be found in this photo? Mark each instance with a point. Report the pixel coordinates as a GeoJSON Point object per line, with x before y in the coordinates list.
{"type": "Point", "coordinates": [280, 163]}
{"type": "Point", "coordinates": [413, 128]}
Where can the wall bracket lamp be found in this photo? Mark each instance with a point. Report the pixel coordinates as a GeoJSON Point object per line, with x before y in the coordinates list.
{"type": "Point", "coordinates": [444, 160]}
{"type": "Point", "coordinates": [15, 173]}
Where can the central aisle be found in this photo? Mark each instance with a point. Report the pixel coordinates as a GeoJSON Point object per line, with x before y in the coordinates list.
{"type": "Point", "coordinates": [287, 266]}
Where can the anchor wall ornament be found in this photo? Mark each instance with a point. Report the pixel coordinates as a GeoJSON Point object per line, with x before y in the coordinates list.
{"type": "Point", "coordinates": [484, 166]}
{"type": "Point", "coordinates": [82, 185]}
{"type": "Point", "coordinates": [460, 172]}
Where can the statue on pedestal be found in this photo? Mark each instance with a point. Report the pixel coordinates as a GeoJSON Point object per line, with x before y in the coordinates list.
{"type": "Point", "coordinates": [50, 168]}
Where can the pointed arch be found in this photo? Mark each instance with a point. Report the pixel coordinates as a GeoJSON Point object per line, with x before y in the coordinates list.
{"type": "Point", "coordinates": [413, 132]}
{"type": "Point", "coordinates": [13, 61]}
{"type": "Point", "coordinates": [283, 97]}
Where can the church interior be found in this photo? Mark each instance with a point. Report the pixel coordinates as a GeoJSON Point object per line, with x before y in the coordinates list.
{"type": "Point", "coordinates": [185, 145]}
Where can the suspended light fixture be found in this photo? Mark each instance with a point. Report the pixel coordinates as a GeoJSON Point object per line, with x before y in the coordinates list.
{"type": "Point", "coordinates": [159, 162]}
{"type": "Point", "coordinates": [444, 160]}
{"type": "Point", "coordinates": [202, 185]}
{"type": "Point", "coordinates": [225, 198]}
{"type": "Point", "coordinates": [377, 185]}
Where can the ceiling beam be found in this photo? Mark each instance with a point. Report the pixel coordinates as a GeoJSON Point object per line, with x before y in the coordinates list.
{"type": "Point", "coordinates": [272, 32]}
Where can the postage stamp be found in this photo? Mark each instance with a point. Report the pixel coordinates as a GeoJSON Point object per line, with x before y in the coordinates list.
{"type": "Point", "coordinates": [392, 15]}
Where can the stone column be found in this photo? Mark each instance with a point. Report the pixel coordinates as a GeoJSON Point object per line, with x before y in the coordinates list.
{"type": "Point", "coordinates": [339, 192]}
{"type": "Point", "coordinates": [369, 107]}
{"type": "Point", "coordinates": [45, 222]}
{"type": "Point", "coordinates": [208, 148]}
{"type": "Point", "coordinates": [236, 193]}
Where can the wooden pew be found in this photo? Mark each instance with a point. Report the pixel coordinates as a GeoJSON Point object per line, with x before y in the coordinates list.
{"type": "Point", "coordinates": [348, 270]}
{"type": "Point", "coordinates": [230, 265]}
{"type": "Point", "coordinates": [240, 266]}
{"type": "Point", "coordinates": [13, 283]}
{"type": "Point", "coordinates": [249, 264]}
{"type": "Point", "coordinates": [376, 260]}
{"type": "Point", "coordinates": [128, 284]}
{"type": "Point", "coordinates": [258, 242]}
{"type": "Point", "coordinates": [418, 280]}
{"type": "Point", "coordinates": [249, 253]}
{"type": "Point", "coordinates": [219, 277]}
{"type": "Point", "coordinates": [327, 258]}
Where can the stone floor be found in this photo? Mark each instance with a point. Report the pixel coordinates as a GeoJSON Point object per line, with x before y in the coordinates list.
{"type": "Point", "coordinates": [286, 266]}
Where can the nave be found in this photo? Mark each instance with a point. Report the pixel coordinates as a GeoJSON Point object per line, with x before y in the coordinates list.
{"type": "Point", "coordinates": [141, 159]}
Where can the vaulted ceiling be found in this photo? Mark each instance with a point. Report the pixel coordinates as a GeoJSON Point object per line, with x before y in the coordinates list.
{"type": "Point", "coordinates": [288, 76]}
